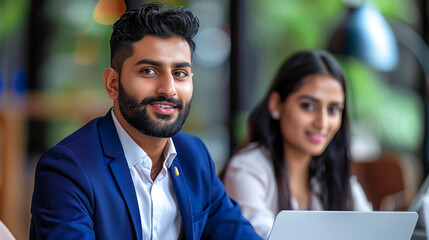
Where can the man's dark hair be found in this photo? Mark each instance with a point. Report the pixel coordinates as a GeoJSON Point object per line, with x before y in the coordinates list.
{"type": "Point", "coordinates": [150, 19]}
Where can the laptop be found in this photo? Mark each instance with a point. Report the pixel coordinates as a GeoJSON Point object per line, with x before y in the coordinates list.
{"type": "Point", "coordinates": [343, 225]}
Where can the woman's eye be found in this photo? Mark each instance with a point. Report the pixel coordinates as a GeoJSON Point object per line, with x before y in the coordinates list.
{"type": "Point", "coordinates": [334, 110]}
{"type": "Point", "coordinates": [308, 106]}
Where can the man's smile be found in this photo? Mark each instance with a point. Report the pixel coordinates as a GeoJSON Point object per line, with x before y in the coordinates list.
{"type": "Point", "coordinates": [166, 108]}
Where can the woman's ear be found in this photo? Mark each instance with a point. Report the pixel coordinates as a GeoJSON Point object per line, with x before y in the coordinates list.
{"type": "Point", "coordinates": [274, 105]}
{"type": "Point", "coordinates": [111, 82]}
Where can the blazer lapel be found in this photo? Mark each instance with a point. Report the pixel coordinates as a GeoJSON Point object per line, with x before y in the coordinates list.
{"type": "Point", "coordinates": [113, 149]}
{"type": "Point", "coordinates": [122, 175]}
{"type": "Point", "coordinates": [182, 196]}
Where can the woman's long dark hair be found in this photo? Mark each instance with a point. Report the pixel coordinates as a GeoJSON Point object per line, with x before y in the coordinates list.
{"type": "Point", "coordinates": [332, 168]}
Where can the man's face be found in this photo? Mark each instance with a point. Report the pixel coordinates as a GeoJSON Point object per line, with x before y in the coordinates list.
{"type": "Point", "coordinates": [155, 87]}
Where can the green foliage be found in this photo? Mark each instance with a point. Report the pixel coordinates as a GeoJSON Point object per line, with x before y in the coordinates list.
{"type": "Point", "coordinates": [396, 113]}
{"type": "Point", "coordinates": [12, 16]}
{"type": "Point", "coordinates": [404, 10]}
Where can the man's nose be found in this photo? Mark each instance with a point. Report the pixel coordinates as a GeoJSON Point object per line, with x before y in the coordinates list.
{"type": "Point", "coordinates": [166, 86]}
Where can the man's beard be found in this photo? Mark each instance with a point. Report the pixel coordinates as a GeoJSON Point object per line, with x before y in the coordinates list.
{"type": "Point", "coordinates": [136, 115]}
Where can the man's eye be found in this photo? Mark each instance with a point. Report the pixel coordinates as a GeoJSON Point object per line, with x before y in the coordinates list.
{"type": "Point", "coordinates": [180, 74]}
{"type": "Point", "coordinates": [147, 71]}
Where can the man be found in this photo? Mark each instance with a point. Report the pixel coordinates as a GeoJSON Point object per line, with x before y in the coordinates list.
{"type": "Point", "coordinates": [131, 174]}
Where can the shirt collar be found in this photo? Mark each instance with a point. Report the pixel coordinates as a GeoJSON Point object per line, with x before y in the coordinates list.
{"type": "Point", "coordinates": [169, 153]}
{"type": "Point", "coordinates": [135, 154]}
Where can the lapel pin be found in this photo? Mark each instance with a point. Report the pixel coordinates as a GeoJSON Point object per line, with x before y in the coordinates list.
{"type": "Point", "coordinates": [176, 171]}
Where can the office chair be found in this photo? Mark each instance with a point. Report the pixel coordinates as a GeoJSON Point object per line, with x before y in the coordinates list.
{"type": "Point", "coordinates": [390, 181]}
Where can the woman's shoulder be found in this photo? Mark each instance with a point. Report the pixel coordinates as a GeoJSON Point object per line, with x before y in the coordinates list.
{"type": "Point", "coordinates": [250, 172]}
{"type": "Point", "coordinates": [252, 155]}
{"type": "Point", "coordinates": [252, 160]}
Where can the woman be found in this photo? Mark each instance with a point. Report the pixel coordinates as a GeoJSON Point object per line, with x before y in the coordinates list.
{"type": "Point", "coordinates": [296, 153]}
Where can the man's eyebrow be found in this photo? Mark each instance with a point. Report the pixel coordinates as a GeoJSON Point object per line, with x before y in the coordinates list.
{"type": "Point", "coordinates": [148, 61]}
{"type": "Point", "coordinates": [158, 64]}
{"type": "Point", "coordinates": [182, 64]}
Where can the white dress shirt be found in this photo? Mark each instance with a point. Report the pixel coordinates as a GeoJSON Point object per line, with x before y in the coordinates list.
{"type": "Point", "coordinates": [250, 180]}
{"type": "Point", "coordinates": [159, 211]}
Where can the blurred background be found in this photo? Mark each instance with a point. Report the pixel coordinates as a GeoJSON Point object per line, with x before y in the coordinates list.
{"type": "Point", "coordinates": [53, 53]}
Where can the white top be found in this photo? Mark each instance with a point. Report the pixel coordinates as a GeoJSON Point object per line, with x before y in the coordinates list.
{"type": "Point", "coordinates": [5, 234]}
{"type": "Point", "coordinates": [159, 211]}
{"type": "Point", "coordinates": [249, 179]}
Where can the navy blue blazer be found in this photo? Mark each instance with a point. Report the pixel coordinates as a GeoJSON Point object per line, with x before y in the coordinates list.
{"type": "Point", "coordinates": [83, 190]}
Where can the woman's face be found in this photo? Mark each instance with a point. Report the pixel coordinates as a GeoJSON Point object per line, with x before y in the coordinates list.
{"type": "Point", "coordinates": [311, 116]}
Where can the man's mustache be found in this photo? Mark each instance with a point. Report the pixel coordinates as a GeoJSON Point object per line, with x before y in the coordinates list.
{"type": "Point", "coordinates": [148, 100]}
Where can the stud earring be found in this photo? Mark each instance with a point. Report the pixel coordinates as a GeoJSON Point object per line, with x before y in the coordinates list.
{"type": "Point", "coordinates": [275, 114]}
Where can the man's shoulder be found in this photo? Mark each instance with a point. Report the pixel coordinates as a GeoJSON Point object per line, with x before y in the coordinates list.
{"type": "Point", "coordinates": [186, 140]}
{"type": "Point", "coordinates": [190, 146]}
{"type": "Point", "coordinates": [73, 152]}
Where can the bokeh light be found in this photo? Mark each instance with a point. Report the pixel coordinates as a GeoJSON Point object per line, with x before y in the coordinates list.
{"type": "Point", "coordinates": [108, 11]}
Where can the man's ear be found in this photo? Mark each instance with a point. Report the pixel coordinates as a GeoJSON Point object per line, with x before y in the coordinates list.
{"type": "Point", "coordinates": [111, 82]}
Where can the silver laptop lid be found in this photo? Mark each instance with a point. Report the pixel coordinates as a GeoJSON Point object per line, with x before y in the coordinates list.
{"type": "Point", "coordinates": [343, 225]}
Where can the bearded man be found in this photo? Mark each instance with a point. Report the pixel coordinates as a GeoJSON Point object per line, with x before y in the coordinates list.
{"type": "Point", "coordinates": [132, 174]}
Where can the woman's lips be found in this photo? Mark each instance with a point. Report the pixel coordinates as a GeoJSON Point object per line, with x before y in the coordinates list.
{"type": "Point", "coordinates": [316, 137]}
